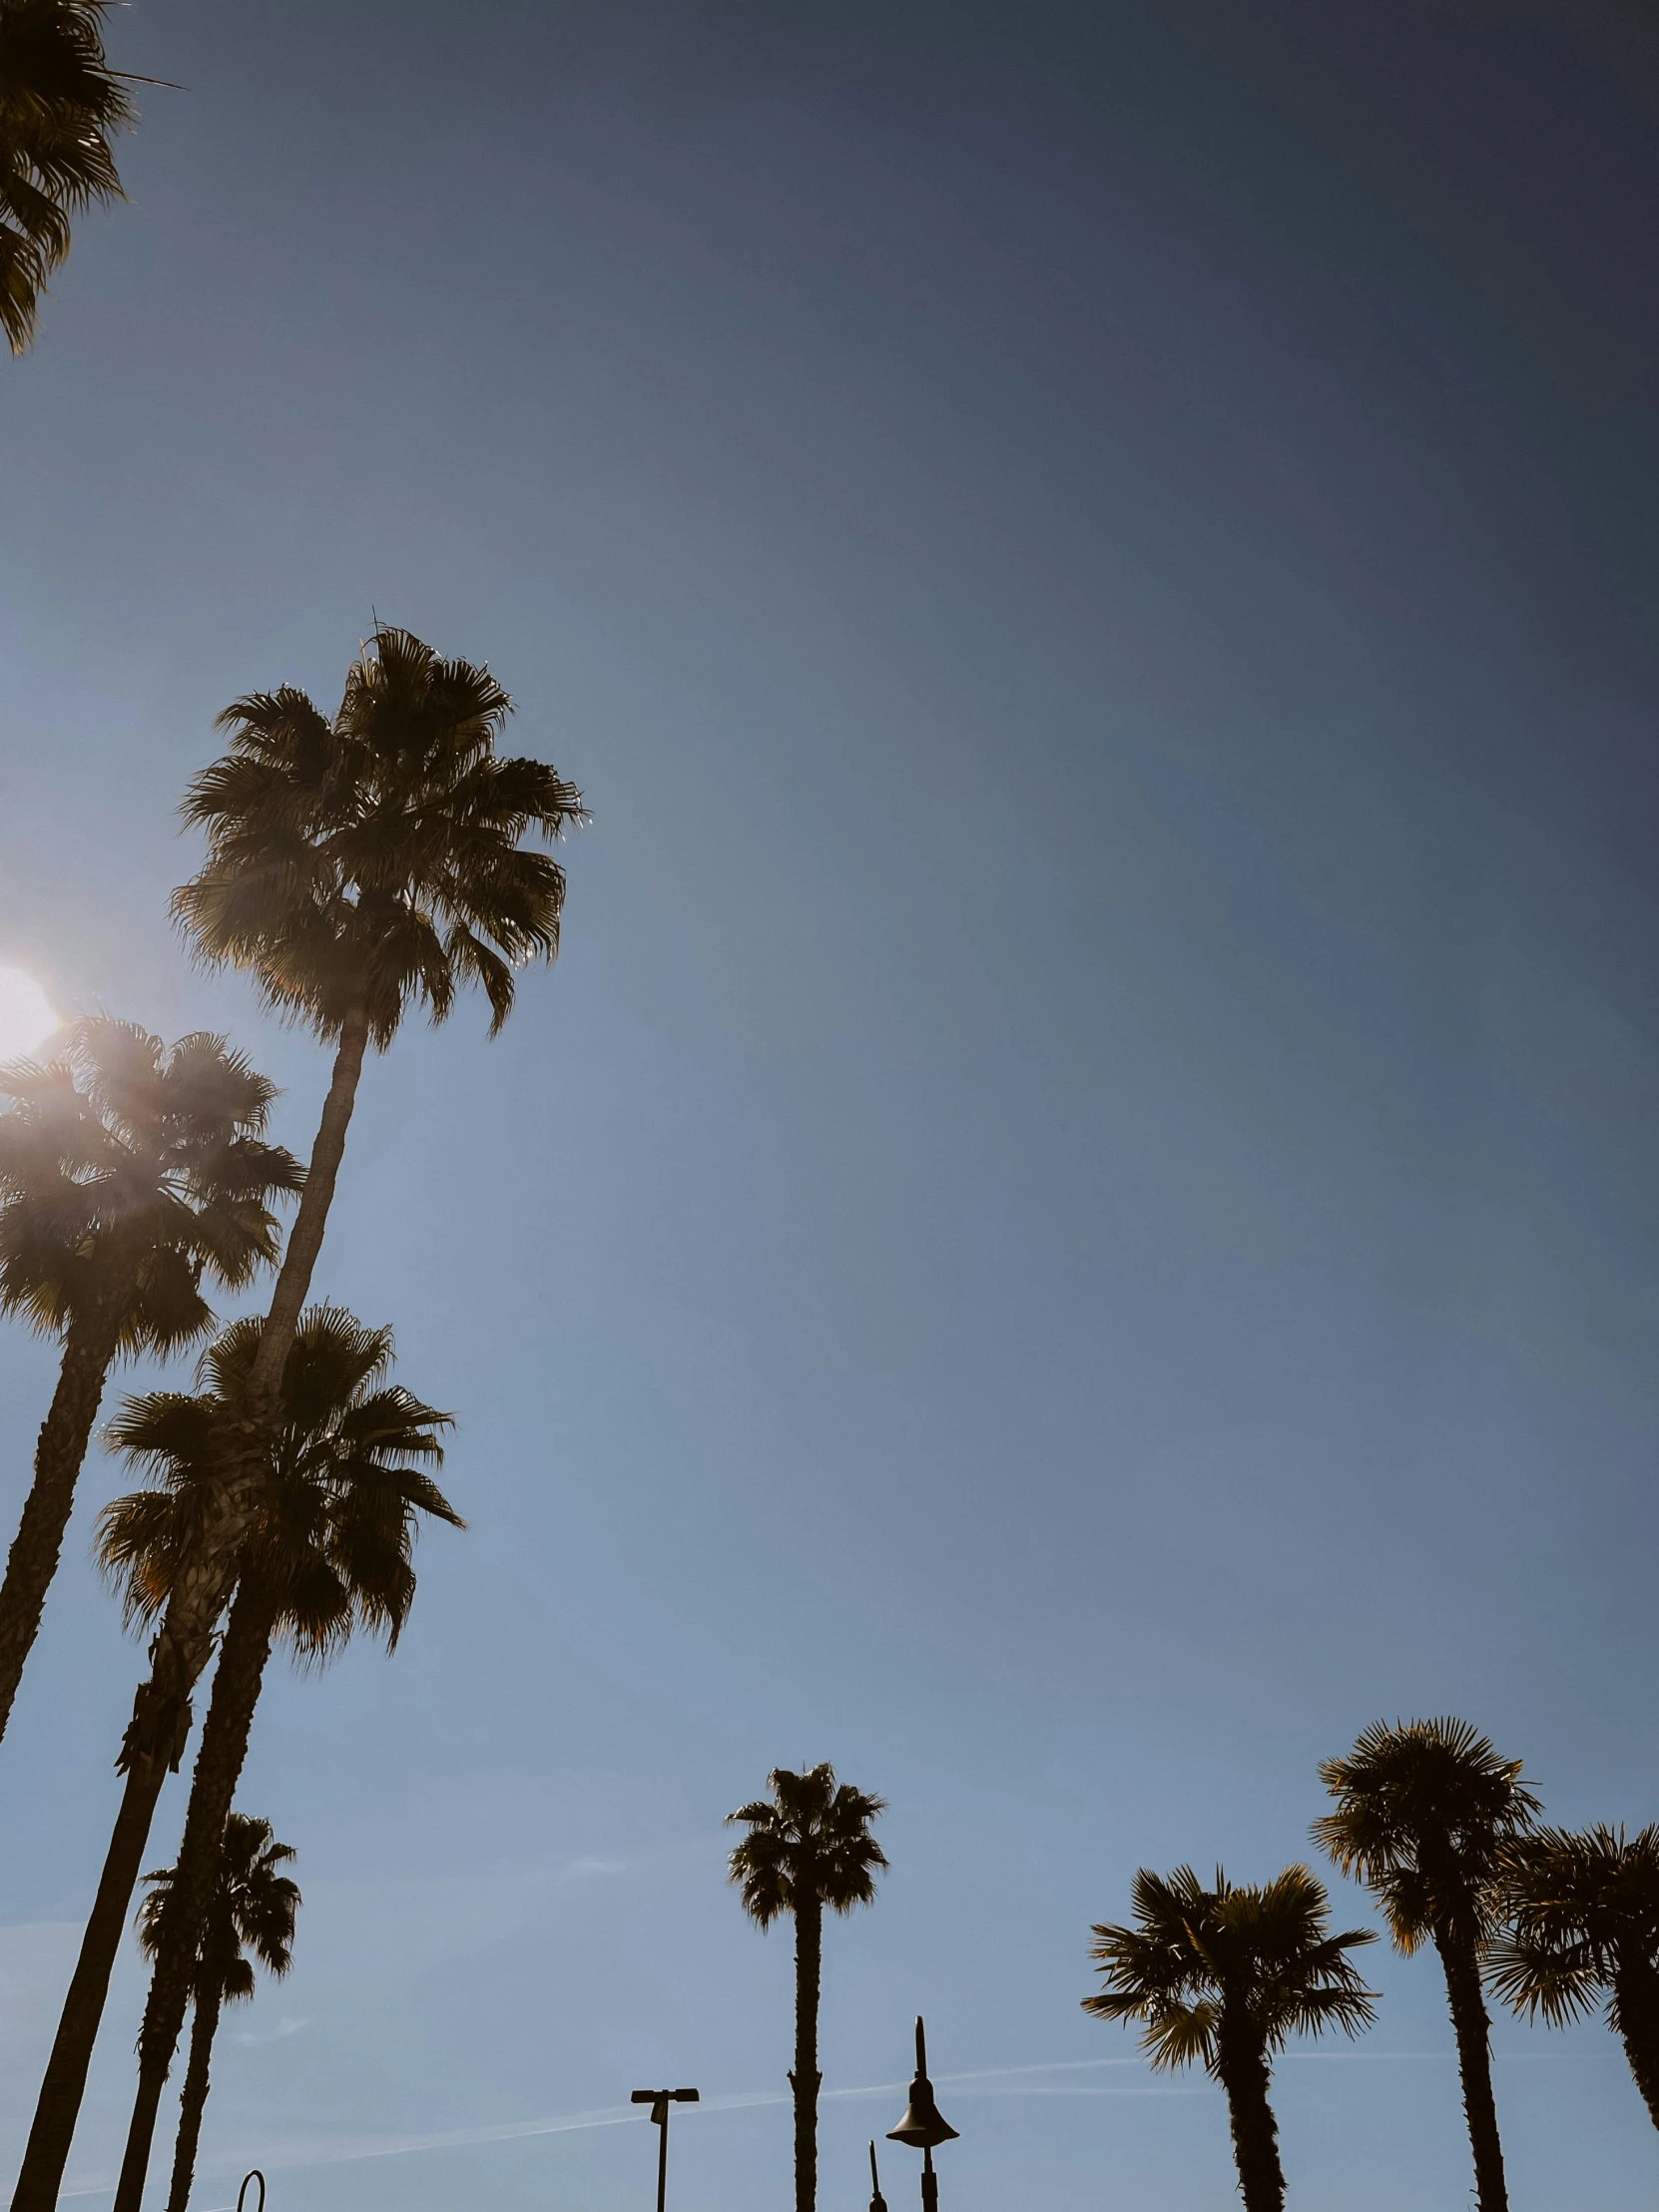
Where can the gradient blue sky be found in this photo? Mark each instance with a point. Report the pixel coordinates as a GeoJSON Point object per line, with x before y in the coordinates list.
{"type": "Point", "coordinates": [1078, 1217]}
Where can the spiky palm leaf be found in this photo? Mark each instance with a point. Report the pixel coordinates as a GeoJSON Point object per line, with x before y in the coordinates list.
{"type": "Point", "coordinates": [1424, 1810]}
{"type": "Point", "coordinates": [339, 1510]}
{"type": "Point", "coordinates": [253, 1908]}
{"type": "Point", "coordinates": [808, 1843]}
{"type": "Point", "coordinates": [60, 107]}
{"type": "Point", "coordinates": [1582, 1914]}
{"type": "Point", "coordinates": [1198, 1962]}
{"type": "Point", "coordinates": [128, 1169]}
{"type": "Point", "coordinates": [377, 857]}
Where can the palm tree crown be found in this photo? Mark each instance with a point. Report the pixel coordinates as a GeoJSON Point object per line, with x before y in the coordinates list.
{"type": "Point", "coordinates": [1583, 1919]}
{"type": "Point", "coordinates": [1582, 1913]}
{"type": "Point", "coordinates": [377, 857]}
{"type": "Point", "coordinates": [338, 1512]}
{"type": "Point", "coordinates": [60, 105]}
{"type": "Point", "coordinates": [253, 1908]}
{"type": "Point", "coordinates": [249, 1904]}
{"type": "Point", "coordinates": [1225, 1975]}
{"type": "Point", "coordinates": [1424, 1812]}
{"type": "Point", "coordinates": [1201, 1966]}
{"type": "Point", "coordinates": [808, 1843]}
{"type": "Point", "coordinates": [127, 1172]}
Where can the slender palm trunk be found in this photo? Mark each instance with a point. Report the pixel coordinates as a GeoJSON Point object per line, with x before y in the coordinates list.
{"type": "Point", "coordinates": [193, 2098]}
{"type": "Point", "coordinates": [237, 1683]}
{"type": "Point", "coordinates": [1473, 2030]}
{"type": "Point", "coordinates": [1636, 1987]}
{"type": "Point", "coordinates": [88, 1348]}
{"type": "Point", "coordinates": [1244, 2077]}
{"type": "Point", "coordinates": [154, 1737]}
{"type": "Point", "coordinates": [808, 1954]}
{"type": "Point", "coordinates": [59, 2102]}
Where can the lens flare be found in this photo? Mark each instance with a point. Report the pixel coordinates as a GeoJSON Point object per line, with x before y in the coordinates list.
{"type": "Point", "coordinates": [26, 1019]}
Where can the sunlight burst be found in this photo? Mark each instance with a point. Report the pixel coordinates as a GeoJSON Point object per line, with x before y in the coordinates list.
{"type": "Point", "coordinates": [26, 1019]}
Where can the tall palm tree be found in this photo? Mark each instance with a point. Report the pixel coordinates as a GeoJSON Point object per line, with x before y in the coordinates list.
{"type": "Point", "coordinates": [128, 1172]}
{"type": "Point", "coordinates": [330, 1554]}
{"type": "Point", "coordinates": [251, 1908]}
{"type": "Point", "coordinates": [1582, 1927]}
{"type": "Point", "coordinates": [1425, 1813]}
{"type": "Point", "coordinates": [1225, 1976]}
{"type": "Point", "coordinates": [355, 865]}
{"type": "Point", "coordinates": [60, 107]}
{"type": "Point", "coordinates": [809, 1845]}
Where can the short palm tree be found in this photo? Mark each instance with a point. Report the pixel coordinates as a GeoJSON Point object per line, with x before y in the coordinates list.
{"type": "Point", "coordinates": [330, 1554]}
{"type": "Point", "coordinates": [356, 865]}
{"type": "Point", "coordinates": [129, 1171]}
{"type": "Point", "coordinates": [1225, 1976]}
{"type": "Point", "coordinates": [1582, 1930]}
{"type": "Point", "coordinates": [1425, 1810]}
{"type": "Point", "coordinates": [251, 1909]}
{"type": "Point", "coordinates": [60, 107]}
{"type": "Point", "coordinates": [809, 1845]}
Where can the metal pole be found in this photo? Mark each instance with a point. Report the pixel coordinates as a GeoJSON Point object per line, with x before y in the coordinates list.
{"type": "Point", "coordinates": [929, 2183]}
{"type": "Point", "coordinates": [661, 2162]}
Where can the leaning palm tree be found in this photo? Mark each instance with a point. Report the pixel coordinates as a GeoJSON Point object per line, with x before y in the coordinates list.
{"type": "Point", "coordinates": [1225, 1976]}
{"type": "Point", "coordinates": [330, 1554]}
{"type": "Point", "coordinates": [1582, 1930]}
{"type": "Point", "coordinates": [357, 864]}
{"type": "Point", "coordinates": [251, 1908]}
{"type": "Point", "coordinates": [60, 107]}
{"type": "Point", "coordinates": [809, 1845]}
{"type": "Point", "coordinates": [128, 1172]}
{"type": "Point", "coordinates": [1425, 1813]}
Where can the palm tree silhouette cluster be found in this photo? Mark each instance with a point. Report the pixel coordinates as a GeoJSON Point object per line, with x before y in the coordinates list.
{"type": "Point", "coordinates": [358, 866]}
{"type": "Point", "coordinates": [1446, 1835]}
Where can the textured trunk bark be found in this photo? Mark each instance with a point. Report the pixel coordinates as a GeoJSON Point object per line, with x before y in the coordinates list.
{"type": "Point", "coordinates": [155, 1737]}
{"type": "Point", "coordinates": [218, 1762]}
{"type": "Point", "coordinates": [809, 1952]}
{"type": "Point", "coordinates": [192, 2098]}
{"type": "Point", "coordinates": [1473, 2030]}
{"type": "Point", "coordinates": [1637, 1990]}
{"type": "Point", "coordinates": [88, 1348]}
{"type": "Point", "coordinates": [66, 2070]}
{"type": "Point", "coordinates": [1244, 2077]}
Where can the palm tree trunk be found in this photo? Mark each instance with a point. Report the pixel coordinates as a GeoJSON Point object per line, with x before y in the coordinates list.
{"type": "Point", "coordinates": [1637, 1990]}
{"type": "Point", "coordinates": [236, 1682]}
{"type": "Point", "coordinates": [193, 2098]}
{"type": "Point", "coordinates": [59, 2102]}
{"type": "Point", "coordinates": [1473, 2030]}
{"type": "Point", "coordinates": [808, 1954]}
{"type": "Point", "coordinates": [154, 1737]}
{"type": "Point", "coordinates": [1244, 2077]}
{"type": "Point", "coordinates": [88, 1348]}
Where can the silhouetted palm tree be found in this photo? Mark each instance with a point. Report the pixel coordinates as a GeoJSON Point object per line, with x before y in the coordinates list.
{"type": "Point", "coordinates": [126, 1173]}
{"type": "Point", "coordinates": [60, 105]}
{"type": "Point", "coordinates": [809, 1845]}
{"type": "Point", "coordinates": [251, 1904]}
{"type": "Point", "coordinates": [1225, 1976]}
{"type": "Point", "coordinates": [1583, 1930]}
{"type": "Point", "coordinates": [1424, 1810]}
{"type": "Point", "coordinates": [329, 1552]}
{"type": "Point", "coordinates": [355, 865]}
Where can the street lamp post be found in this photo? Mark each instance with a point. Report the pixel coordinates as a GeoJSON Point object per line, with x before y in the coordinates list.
{"type": "Point", "coordinates": [659, 2101]}
{"type": "Point", "coordinates": [921, 2125]}
{"type": "Point", "coordinates": [877, 2202]}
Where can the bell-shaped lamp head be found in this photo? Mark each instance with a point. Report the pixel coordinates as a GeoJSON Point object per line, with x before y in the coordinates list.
{"type": "Point", "coordinates": [921, 2127]}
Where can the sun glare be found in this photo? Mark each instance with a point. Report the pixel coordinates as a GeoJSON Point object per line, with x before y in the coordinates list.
{"type": "Point", "coordinates": [25, 1020]}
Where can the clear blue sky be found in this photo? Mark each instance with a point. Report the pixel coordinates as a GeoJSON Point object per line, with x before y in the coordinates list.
{"type": "Point", "coordinates": [1078, 1218]}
